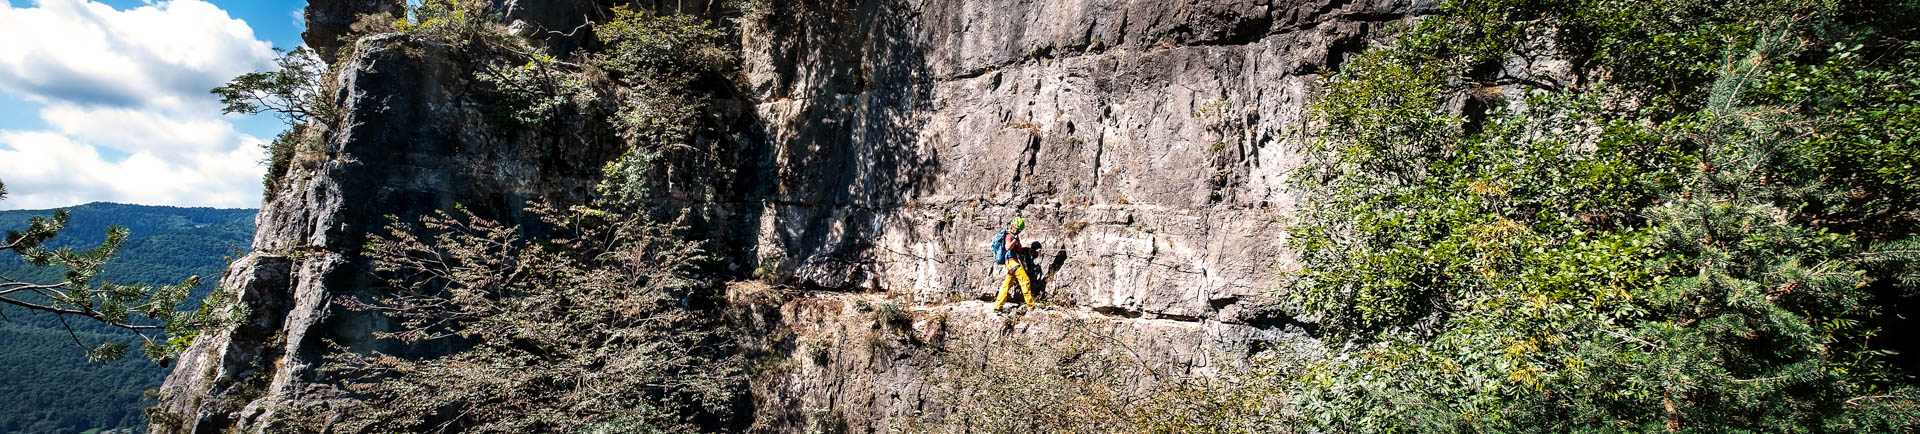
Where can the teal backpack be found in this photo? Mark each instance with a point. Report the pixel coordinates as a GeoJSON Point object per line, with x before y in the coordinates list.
{"type": "Point", "coordinates": [1000, 253]}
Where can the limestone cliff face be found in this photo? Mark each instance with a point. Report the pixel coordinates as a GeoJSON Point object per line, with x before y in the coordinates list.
{"type": "Point", "coordinates": [1146, 142]}
{"type": "Point", "coordinates": [883, 143]}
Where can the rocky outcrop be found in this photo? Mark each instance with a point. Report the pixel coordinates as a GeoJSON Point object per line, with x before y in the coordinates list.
{"type": "Point", "coordinates": [840, 363]}
{"type": "Point", "coordinates": [222, 374]}
{"type": "Point", "coordinates": [1146, 142]}
{"type": "Point", "coordinates": [880, 145]}
{"type": "Point", "coordinates": [412, 141]}
{"type": "Point", "coordinates": [330, 21]}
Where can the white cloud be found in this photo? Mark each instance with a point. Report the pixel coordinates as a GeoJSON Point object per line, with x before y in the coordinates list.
{"type": "Point", "coordinates": [132, 130]}
{"type": "Point", "coordinates": [135, 81]}
{"type": "Point", "coordinates": [49, 170]}
{"type": "Point", "coordinates": [161, 56]}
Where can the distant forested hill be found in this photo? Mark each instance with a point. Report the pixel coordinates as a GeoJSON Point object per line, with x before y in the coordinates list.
{"type": "Point", "coordinates": [50, 385]}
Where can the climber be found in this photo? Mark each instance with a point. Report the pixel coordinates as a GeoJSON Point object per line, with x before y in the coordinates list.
{"type": "Point", "coordinates": [1007, 250]}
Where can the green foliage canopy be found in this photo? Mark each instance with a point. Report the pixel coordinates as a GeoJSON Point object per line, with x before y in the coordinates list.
{"type": "Point", "coordinates": [292, 91]}
{"type": "Point", "coordinates": [1680, 233]}
{"type": "Point", "coordinates": [660, 62]}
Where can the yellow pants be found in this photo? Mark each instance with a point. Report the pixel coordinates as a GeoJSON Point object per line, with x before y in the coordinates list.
{"type": "Point", "coordinates": [1014, 270]}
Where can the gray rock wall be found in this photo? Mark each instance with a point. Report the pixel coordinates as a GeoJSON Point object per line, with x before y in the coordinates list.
{"type": "Point", "coordinates": [329, 21]}
{"type": "Point", "coordinates": [1146, 142]}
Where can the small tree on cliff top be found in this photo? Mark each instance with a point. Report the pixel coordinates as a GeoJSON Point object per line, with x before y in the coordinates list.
{"type": "Point", "coordinates": [292, 91]}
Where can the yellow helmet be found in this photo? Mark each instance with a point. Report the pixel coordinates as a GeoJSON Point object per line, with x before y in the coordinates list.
{"type": "Point", "coordinates": [1019, 223]}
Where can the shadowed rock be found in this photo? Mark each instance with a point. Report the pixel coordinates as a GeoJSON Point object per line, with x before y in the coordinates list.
{"type": "Point", "coordinates": [330, 20]}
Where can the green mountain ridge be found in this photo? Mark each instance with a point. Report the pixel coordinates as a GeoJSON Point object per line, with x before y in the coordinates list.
{"type": "Point", "coordinates": [52, 387]}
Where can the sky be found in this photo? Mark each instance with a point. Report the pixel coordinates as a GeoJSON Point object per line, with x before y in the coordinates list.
{"type": "Point", "coordinates": [107, 100]}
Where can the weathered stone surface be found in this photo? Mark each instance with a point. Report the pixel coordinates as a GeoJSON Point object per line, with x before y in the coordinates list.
{"type": "Point", "coordinates": [330, 20]}
{"type": "Point", "coordinates": [1147, 143]}
{"type": "Point", "coordinates": [835, 363]}
{"type": "Point", "coordinates": [210, 383]}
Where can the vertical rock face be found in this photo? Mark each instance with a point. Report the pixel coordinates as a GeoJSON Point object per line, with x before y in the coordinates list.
{"type": "Point", "coordinates": [1146, 142]}
{"type": "Point", "coordinates": [212, 374]}
{"type": "Point", "coordinates": [885, 143]}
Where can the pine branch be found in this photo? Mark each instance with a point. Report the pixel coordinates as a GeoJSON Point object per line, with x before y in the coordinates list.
{"type": "Point", "coordinates": [71, 334]}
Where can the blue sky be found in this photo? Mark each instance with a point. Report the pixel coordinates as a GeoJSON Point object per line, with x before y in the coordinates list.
{"type": "Point", "coordinates": [106, 100]}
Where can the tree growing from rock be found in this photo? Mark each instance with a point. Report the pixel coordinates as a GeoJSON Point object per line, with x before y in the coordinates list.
{"type": "Point", "coordinates": [291, 92]}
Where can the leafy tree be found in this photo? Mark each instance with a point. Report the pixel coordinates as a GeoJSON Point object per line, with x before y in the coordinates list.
{"type": "Point", "coordinates": [292, 92]}
{"type": "Point", "coordinates": [665, 65]}
{"type": "Point", "coordinates": [465, 24]}
{"type": "Point", "coordinates": [1643, 245]}
{"type": "Point", "coordinates": [295, 92]}
{"type": "Point", "coordinates": [148, 311]}
{"type": "Point", "coordinates": [538, 91]}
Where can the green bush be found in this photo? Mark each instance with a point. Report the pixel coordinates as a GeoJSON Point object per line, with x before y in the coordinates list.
{"type": "Point", "coordinates": [279, 160]}
{"type": "Point", "coordinates": [538, 91]}
{"type": "Point", "coordinates": [461, 23]}
{"type": "Point", "coordinates": [667, 67]}
{"type": "Point", "coordinates": [296, 92]}
{"type": "Point", "coordinates": [1678, 237]}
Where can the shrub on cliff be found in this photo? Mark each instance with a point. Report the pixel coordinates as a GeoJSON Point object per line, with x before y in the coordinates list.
{"type": "Point", "coordinates": [1687, 229]}
{"type": "Point", "coordinates": [295, 91]}
{"type": "Point", "coordinates": [666, 69]}
{"type": "Point", "coordinates": [461, 23]}
{"type": "Point", "coordinates": [1079, 383]}
{"type": "Point", "coordinates": [588, 332]}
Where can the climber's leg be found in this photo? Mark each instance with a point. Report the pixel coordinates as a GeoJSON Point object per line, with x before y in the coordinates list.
{"type": "Point", "coordinates": [1005, 285]}
{"type": "Point", "coordinates": [1026, 285]}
